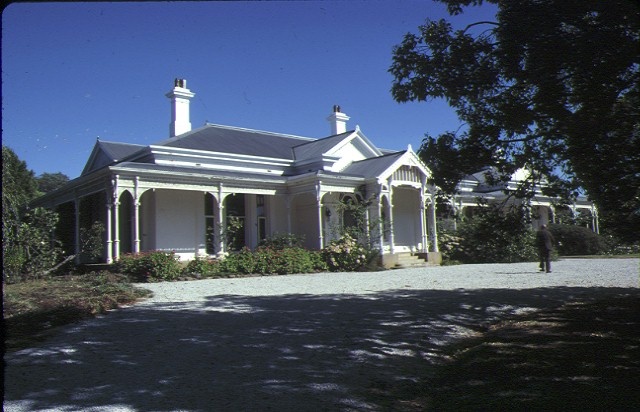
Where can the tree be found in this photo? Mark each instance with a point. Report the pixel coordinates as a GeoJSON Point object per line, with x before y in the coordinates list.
{"type": "Point", "coordinates": [552, 86]}
{"type": "Point", "coordinates": [48, 182]}
{"type": "Point", "coordinates": [27, 244]}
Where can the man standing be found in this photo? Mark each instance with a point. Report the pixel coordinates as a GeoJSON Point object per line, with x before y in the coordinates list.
{"type": "Point", "coordinates": [545, 241]}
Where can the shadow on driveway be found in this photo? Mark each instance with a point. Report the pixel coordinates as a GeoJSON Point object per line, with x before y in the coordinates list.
{"type": "Point", "coordinates": [282, 353]}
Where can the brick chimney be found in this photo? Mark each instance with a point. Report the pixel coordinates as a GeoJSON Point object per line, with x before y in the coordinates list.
{"type": "Point", "coordinates": [180, 97]}
{"type": "Point", "coordinates": [338, 121]}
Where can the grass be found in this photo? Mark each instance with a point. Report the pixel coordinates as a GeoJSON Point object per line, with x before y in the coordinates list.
{"type": "Point", "coordinates": [33, 309]}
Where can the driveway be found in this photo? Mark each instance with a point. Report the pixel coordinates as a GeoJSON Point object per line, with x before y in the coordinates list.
{"type": "Point", "coordinates": [319, 342]}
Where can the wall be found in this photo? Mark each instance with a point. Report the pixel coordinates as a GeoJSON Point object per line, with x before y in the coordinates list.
{"type": "Point", "coordinates": [179, 222]}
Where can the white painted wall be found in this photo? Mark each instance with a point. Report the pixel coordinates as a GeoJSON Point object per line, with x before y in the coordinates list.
{"type": "Point", "coordinates": [305, 219]}
{"type": "Point", "coordinates": [179, 222]}
{"type": "Point", "coordinates": [277, 212]}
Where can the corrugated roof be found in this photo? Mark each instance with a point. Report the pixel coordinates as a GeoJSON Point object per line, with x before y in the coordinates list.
{"type": "Point", "coordinates": [224, 139]}
{"type": "Point", "coordinates": [372, 167]}
{"type": "Point", "coordinates": [118, 151]}
{"type": "Point", "coordinates": [318, 147]}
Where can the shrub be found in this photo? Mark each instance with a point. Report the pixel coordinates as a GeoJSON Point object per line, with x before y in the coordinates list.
{"type": "Point", "coordinates": [150, 266]}
{"type": "Point", "coordinates": [450, 246]}
{"type": "Point", "coordinates": [268, 260]}
{"type": "Point", "coordinates": [202, 267]}
{"type": "Point", "coordinates": [241, 262]}
{"type": "Point", "coordinates": [494, 235]}
{"type": "Point", "coordinates": [345, 254]}
{"type": "Point", "coordinates": [572, 240]}
{"type": "Point", "coordinates": [280, 241]}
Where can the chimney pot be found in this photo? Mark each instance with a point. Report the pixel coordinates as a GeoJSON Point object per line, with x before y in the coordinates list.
{"type": "Point", "coordinates": [338, 121]}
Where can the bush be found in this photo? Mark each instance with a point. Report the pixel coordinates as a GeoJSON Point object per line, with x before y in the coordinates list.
{"type": "Point", "coordinates": [346, 255]}
{"type": "Point", "coordinates": [281, 241]}
{"type": "Point", "coordinates": [269, 260]}
{"type": "Point", "coordinates": [150, 266]}
{"type": "Point", "coordinates": [202, 267]}
{"type": "Point", "coordinates": [494, 235]}
{"type": "Point", "coordinates": [574, 240]}
{"type": "Point", "coordinates": [241, 262]}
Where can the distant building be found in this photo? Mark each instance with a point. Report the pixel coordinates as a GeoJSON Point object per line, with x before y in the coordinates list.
{"type": "Point", "coordinates": [543, 209]}
{"type": "Point", "coordinates": [179, 194]}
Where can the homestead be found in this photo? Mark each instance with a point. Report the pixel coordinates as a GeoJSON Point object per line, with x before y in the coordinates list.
{"type": "Point", "coordinates": [186, 193]}
{"type": "Point", "coordinates": [181, 193]}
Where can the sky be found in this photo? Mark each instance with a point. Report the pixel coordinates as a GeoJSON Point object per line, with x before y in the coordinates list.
{"type": "Point", "coordinates": [73, 73]}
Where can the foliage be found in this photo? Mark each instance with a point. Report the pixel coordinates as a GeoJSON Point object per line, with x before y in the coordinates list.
{"type": "Point", "coordinates": [280, 241]}
{"type": "Point", "coordinates": [493, 235]}
{"type": "Point", "coordinates": [202, 267]}
{"type": "Point", "coordinates": [48, 182]}
{"type": "Point", "coordinates": [234, 232]}
{"type": "Point", "coordinates": [269, 260]}
{"type": "Point", "coordinates": [243, 261]}
{"type": "Point", "coordinates": [31, 249]}
{"type": "Point", "coordinates": [91, 242]}
{"type": "Point", "coordinates": [345, 255]}
{"type": "Point", "coordinates": [551, 86]}
{"type": "Point", "coordinates": [450, 245]}
{"type": "Point", "coordinates": [18, 188]}
{"type": "Point", "coordinates": [152, 266]}
{"type": "Point", "coordinates": [32, 308]}
{"type": "Point", "coordinates": [574, 240]}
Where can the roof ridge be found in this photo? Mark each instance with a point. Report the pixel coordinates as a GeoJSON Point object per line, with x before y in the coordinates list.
{"type": "Point", "coordinates": [246, 129]}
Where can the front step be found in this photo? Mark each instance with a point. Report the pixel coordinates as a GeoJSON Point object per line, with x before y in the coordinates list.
{"type": "Point", "coordinates": [408, 260]}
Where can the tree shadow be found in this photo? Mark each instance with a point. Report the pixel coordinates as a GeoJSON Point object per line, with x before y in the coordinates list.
{"type": "Point", "coordinates": [289, 352]}
{"type": "Point", "coordinates": [580, 356]}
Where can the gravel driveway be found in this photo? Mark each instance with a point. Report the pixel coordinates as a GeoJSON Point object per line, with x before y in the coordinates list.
{"type": "Point", "coordinates": [318, 342]}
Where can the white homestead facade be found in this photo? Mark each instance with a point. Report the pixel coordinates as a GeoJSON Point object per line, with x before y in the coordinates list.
{"type": "Point", "coordinates": [180, 193]}
{"type": "Point", "coordinates": [542, 209]}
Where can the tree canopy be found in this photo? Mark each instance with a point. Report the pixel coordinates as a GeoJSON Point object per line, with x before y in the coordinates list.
{"type": "Point", "coordinates": [48, 182]}
{"type": "Point", "coordinates": [550, 85]}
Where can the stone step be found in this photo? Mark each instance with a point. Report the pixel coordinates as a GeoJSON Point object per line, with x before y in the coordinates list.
{"type": "Point", "coordinates": [409, 260]}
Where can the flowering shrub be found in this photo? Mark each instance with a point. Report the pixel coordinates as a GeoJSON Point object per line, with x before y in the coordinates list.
{"type": "Point", "coordinates": [150, 266]}
{"type": "Point", "coordinates": [202, 267]}
{"type": "Point", "coordinates": [241, 262]}
{"type": "Point", "coordinates": [269, 260]}
{"type": "Point", "coordinates": [345, 254]}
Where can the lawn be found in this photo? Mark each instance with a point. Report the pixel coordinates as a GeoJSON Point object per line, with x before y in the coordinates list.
{"type": "Point", "coordinates": [33, 309]}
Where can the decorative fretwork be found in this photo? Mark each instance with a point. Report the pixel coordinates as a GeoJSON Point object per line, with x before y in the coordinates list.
{"type": "Point", "coordinates": [408, 174]}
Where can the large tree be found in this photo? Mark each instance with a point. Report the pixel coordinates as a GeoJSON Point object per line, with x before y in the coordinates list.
{"type": "Point", "coordinates": [48, 182]}
{"type": "Point", "coordinates": [550, 85]}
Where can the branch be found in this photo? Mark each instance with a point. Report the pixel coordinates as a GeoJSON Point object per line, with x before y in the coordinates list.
{"type": "Point", "coordinates": [67, 259]}
{"type": "Point", "coordinates": [479, 23]}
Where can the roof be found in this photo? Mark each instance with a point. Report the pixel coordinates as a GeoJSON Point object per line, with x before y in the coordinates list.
{"type": "Point", "coordinates": [374, 166]}
{"type": "Point", "coordinates": [318, 147]}
{"type": "Point", "coordinates": [107, 153]}
{"type": "Point", "coordinates": [226, 139]}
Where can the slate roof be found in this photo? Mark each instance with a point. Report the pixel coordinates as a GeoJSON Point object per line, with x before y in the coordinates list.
{"type": "Point", "coordinates": [225, 139]}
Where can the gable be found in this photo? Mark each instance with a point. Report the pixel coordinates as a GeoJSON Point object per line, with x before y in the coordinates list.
{"type": "Point", "coordinates": [108, 153]}
{"type": "Point", "coordinates": [406, 169]}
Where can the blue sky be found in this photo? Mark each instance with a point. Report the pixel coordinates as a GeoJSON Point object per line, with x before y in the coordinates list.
{"type": "Point", "coordinates": [73, 72]}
